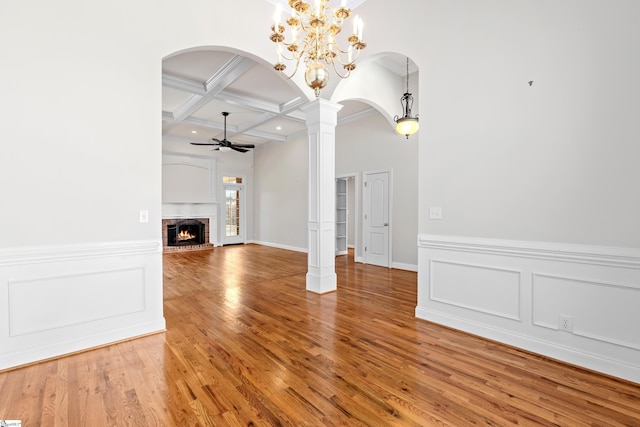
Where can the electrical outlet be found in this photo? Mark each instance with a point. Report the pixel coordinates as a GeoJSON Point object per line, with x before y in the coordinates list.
{"type": "Point", "coordinates": [144, 215]}
{"type": "Point", "coordinates": [435, 213]}
{"type": "Point", "coordinates": [566, 323]}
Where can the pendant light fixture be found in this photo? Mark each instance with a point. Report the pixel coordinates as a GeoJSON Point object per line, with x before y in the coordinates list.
{"type": "Point", "coordinates": [406, 125]}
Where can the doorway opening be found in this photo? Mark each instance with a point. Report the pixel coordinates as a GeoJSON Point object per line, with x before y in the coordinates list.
{"type": "Point", "coordinates": [234, 210]}
{"type": "Point", "coordinates": [347, 215]}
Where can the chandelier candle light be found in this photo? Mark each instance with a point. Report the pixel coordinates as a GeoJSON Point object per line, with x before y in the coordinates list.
{"type": "Point", "coordinates": [313, 40]}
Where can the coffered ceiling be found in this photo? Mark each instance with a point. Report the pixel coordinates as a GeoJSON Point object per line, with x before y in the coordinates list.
{"type": "Point", "coordinates": [264, 108]}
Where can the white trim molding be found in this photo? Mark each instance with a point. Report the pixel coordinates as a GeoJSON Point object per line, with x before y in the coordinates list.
{"type": "Point", "coordinates": [598, 255]}
{"type": "Point", "coordinates": [63, 299]}
{"type": "Point", "coordinates": [575, 303]}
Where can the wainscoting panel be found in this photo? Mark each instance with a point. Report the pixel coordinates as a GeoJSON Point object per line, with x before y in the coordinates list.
{"type": "Point", "coordinates": [579, 304]}
{"type": "Point", "coordinates": [554, 296]}
{"type": "Point", "coordinates": [475, 286]}
{"type": "Point", "coordinates": [59, 300]}
{"type": "Point", "coordinates": [96, 295]}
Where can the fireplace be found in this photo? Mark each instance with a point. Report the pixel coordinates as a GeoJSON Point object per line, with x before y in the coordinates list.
{"type": "Point", "coordinates": [185, 234]}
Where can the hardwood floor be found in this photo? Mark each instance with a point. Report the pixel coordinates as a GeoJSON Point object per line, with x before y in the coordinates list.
{"type": "Point", "coordinates": [246, 344]}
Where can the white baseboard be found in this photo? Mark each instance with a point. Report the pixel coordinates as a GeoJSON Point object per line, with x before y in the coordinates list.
{"type": "Point", "coordinates": [403, 266]}
{"type": "Point", "coordinates": [279, 246]}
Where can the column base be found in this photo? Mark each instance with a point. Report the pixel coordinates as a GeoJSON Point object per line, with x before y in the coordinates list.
{"type": "Point", "coordinates": [322, 284]}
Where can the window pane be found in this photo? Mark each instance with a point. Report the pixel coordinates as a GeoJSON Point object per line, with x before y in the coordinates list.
{"type": "Point", "coordinates": [232, 179]}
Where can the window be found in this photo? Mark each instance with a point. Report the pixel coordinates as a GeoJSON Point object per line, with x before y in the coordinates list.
{"type": "Point", "coordinates": [232, 180]}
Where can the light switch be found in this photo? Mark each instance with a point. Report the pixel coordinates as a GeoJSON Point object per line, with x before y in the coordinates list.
{"type": "Point", "coordinates": [144, 216]}
{"type": "Point", "coordinates": [435, 213]}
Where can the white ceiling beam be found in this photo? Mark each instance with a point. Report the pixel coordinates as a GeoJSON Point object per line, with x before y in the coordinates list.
{"type": "Point", "coordinates": [227, 74]}
{"type": "Point", "coordinates": [248, 102]}
{"type": "Point", "coordinates": [183, 84]}
{"type": "Point", "coordinates": [230, 71]}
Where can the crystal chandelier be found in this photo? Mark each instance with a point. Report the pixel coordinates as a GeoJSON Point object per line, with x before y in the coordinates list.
{"type": "Point", "coordinates": [407, 124]}
{"type": "Point", "coordinates": [312, 39]}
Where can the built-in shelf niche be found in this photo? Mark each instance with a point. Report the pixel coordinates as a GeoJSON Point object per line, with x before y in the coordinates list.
{"type": "Point", "coordinates": [341, 216]}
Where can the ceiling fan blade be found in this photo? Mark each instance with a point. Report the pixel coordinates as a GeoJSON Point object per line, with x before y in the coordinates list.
{"type": "Point", "coordinates": [244, 145]}
{"type": "Point", "coordinates": [218, 140]}
{"type": "Point", "coordinates": [242, 150]}
{"type": "Point", "coordinates": [204, 143]}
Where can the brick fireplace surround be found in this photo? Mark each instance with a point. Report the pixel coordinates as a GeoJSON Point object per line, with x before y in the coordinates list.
{"type": "Point", "coordinates": [198, 247]}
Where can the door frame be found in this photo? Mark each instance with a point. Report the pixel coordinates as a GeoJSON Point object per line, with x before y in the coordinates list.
{"type": "Point", "coordinates": [243, 212]}
{"type": "Point", "coordinates": [356, 198]}
{"type": "Point", "coordinates": [365, 174]}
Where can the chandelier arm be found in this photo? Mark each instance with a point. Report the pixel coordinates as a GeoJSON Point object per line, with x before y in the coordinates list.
{"type": "Point", "coordinates": [293, 56]}
{"type": "Point", "coordinates": [354, 57]}
{"type": "Point", "coordinates": [306, 28]}
{"type": "Point", "coordinates": [288, 77]}
{"type": "Point", "coordinates": [338, 72]}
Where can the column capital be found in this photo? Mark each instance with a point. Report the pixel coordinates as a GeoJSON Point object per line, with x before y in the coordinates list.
{"type": "Point", "coordinates": [321, 110]}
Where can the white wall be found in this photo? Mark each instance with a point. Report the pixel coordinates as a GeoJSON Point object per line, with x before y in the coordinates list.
{"type": "Point", "coordinates": [80, 122]}
{"type": "Point", "coordinates": [187, 179]}
{"type": "Point", "coordinates": [555, 161]}
{"type": "Point", "coordinates": [281, 194]}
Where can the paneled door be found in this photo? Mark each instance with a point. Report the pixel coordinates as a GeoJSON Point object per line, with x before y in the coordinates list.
{"type": "Point", "coordinates": [376, 219]}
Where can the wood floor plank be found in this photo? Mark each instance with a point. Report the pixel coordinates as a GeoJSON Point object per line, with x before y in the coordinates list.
{"type": "Point", "coordinates": [247, 345]}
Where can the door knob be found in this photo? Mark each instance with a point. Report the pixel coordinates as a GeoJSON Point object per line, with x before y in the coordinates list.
{"type": "Point", "coordinates": [386, 224]}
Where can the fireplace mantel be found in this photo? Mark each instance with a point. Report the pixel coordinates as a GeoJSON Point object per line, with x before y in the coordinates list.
{"type": "Point", "coordinates": [176, 210]}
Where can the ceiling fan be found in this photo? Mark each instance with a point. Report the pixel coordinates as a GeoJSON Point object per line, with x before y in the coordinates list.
{"type": "Point", "coordinates": [224, 144]}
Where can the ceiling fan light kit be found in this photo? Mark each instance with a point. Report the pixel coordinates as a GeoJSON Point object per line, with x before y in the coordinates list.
{"type": "Point", "coordinates": [312, 40]}
{"type": "Point", "coordinates": [224, 144]}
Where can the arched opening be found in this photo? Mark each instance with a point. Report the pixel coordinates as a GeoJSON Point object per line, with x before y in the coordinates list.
{"type": "Point", "coordinates": [201, 83]}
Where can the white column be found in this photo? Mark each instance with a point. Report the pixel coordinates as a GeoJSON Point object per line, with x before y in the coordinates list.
{"type": "Point", "coordinates": [322, 117]}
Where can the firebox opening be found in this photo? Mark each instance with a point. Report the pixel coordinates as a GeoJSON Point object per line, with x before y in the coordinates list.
{"type": "Point", "coordinates": [186, 232]}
